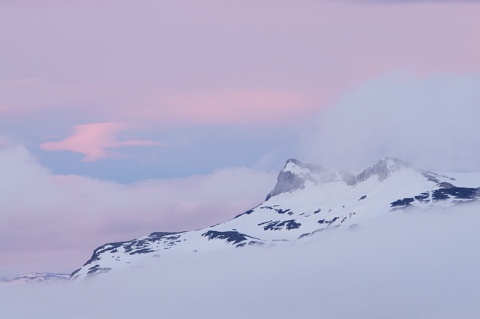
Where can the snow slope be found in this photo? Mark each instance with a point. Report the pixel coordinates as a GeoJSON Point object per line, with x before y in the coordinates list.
{"type": "Point", "coordinates": [307, 200]}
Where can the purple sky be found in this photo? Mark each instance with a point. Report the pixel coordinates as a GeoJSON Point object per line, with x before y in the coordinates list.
{"type": "Point", "coordinates": [206, 100]}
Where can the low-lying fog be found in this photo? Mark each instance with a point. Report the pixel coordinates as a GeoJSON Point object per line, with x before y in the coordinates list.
{"type": "Point", "coordinates": [412, 264]}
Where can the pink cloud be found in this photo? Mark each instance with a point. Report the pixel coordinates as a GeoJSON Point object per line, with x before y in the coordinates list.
{"type": "Point", "coordinates": [96, 141]}
{"type": "Point", "coordinates": [238, 106]}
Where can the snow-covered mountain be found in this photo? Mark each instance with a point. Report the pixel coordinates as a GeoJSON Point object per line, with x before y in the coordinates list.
{"type": "Point", "coordinates": [306, 201]}
{"type": "Point", "coordinates": [35, 278]}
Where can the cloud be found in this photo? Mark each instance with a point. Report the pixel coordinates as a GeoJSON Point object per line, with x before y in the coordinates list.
{"type": "Point", "coordinates": [96, 140]}
{"type": "Point", "coordinates": [416, 265]}
{"type": "Point", "coordinates": [430, 121]}
{"type": "Point", "coordinates": [223, 106]}
{"type": "Point", "coordinates": [219, 106]}
{"type": "Point", "coordinates": [53, 222]}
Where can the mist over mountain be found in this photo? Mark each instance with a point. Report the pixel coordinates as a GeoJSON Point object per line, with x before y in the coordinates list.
{"type": "Point", "coordinates": [420, 264]}
{"type": "Point", "coordinates": [427, 120]}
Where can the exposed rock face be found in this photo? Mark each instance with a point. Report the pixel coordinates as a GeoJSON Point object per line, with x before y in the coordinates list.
{"type": "Point", "coordinates": [293, 176]}
{"type": "Point", "coordinates": [382, 169]}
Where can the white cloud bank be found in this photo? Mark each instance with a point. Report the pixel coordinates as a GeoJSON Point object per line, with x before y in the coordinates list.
{"type": "Point", "coordinates": [416, 265]}
{"type": "Point", "coordinates": [52, 223]}
{"type": "Point", "coordinates": [430, 121]}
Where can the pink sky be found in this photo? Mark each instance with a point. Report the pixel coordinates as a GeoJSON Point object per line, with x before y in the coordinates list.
{"type": "Point", "coordinates": [218, 63]}
{"type": "Point", "coordinates": [185, 87]}
{"type": "Point", "coordinates": [154, 60]}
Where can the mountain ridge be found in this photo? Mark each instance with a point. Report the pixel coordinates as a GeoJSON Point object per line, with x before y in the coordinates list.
{"type": "Point", "coordinates": [35, 278]}
{"type": "Point", "coordinates": [306, 200]}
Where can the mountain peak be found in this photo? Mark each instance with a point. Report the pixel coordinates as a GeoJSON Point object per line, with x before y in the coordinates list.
{"type": "Point", "coordinates": [295, 165]}
{"type": "Point", "coordinates": [393, 163]}
{"type": "Point", "coordinates": [383, 168]}
{"type": "Point", "coordinates": [293, 176]}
